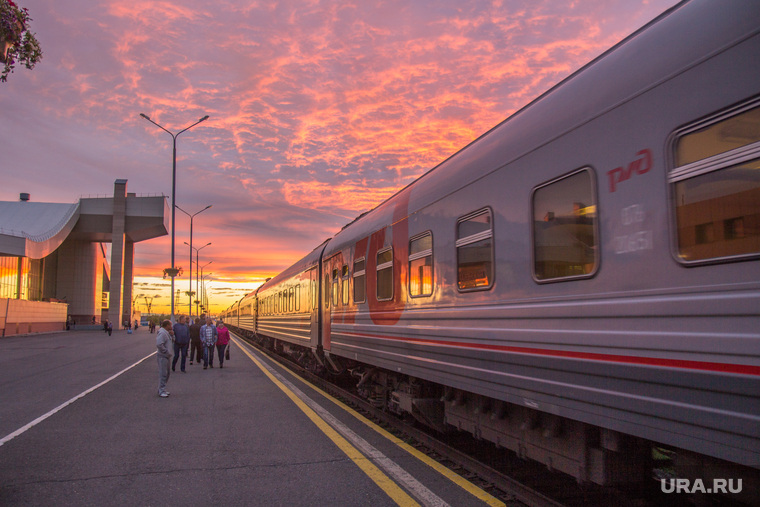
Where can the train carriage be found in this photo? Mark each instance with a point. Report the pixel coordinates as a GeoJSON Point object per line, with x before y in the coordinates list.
{"type": "Point", "coordinates": [583, 277]}
{"type": "Point", "coordinates": [579, 282]}
{"type": "Point", "coordinates": [288, 304]}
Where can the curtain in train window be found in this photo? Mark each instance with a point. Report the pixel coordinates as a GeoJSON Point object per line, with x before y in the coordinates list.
{"type": "Point", "coordinates": [475, 251]}
{"type": "Point", "coordinates": [385, 275]}
{"type": "Point", "coordinates": [421, 265]}
{"type": "Point", "coordinates": [359, 281]}
{"type": "Point", "coordinates": [565, 239]}
{"type": "Point", "coordinates": [716, 189]}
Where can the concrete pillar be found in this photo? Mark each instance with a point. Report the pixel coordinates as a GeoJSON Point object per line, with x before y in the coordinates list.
{"type": "Point", "coordinates": [115, 314]}
{"type": "Point", "coordinates": [19, 273]}
{"type": "Point", "coordinates": [81, 279]}
{"type": "Point", "coordinates": [129, 261]}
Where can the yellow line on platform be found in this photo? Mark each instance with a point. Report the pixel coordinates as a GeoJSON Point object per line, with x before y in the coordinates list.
{"type": "Point", "coordinates": [378, 477]}
{"type": "Point", "coordinates": [457, 479]}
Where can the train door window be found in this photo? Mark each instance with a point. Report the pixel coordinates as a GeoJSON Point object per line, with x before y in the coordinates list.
{"type": "Point", "coordinates": [565, 235]}
{"type": "Point", "coordinates": [421, 265]}
{"type": "Point", "coordinates": [716, 187]}
{"type": "Point", "coordinates": [291, 299]}
{"type": "Point", "coordinates": [335, 287]}
{"type": "Point", "coordinates": [328, 284]}
{"type": "Point", "coordinates": [298, 298]}
{"type": "Point", "coordinates": [313, 289]}
{"type": "Point", "coordinates": [359, 281]}
{"type": "Point", "coordinates": [475, 251]}
{"type": "Point", "coordinates": [385, 274]}
{"type": "Point", "coordinates": [345, 284]}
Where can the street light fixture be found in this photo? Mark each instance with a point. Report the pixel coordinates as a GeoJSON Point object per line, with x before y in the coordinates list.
{"type": "Point", "coordinates": [173, 269]}
{"type": "Point", "coordinates": [190, 283]}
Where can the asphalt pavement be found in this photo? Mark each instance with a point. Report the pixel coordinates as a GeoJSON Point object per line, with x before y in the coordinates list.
{"type": "Point", "coordinates": [81, 424]}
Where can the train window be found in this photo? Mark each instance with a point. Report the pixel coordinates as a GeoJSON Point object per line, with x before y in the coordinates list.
{"type": "Point", "coordinates": [565, 237]}
{"type": "Point", "coordinates": [344, 281]}
{"type": "Point", "coordinates": [327, 291]}
{"type": "Point", "coordinates": [298, 298]}
{"type": "Point", "coordinates": [313, 289]}
{"type": "Point", "coordinates": [335, 287]}
{"type": "Point", "coordinates": [475, 251]}
{"type": "Point", "coordinates": [716, 188]}
{"type": "Point", "coordinates": [385, 274]}
{"type": "Point", "coordinates": [359, 281]}
{"type": "Point", "coordinates": [421, 265]}
{"type": "Point", "coordinates": [291, 299]}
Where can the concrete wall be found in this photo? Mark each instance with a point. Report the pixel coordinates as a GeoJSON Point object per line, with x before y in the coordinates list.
{"type": "Point", "coordinates": [80, 278]}
{"type": "Point", "coordinates": [19, 316]}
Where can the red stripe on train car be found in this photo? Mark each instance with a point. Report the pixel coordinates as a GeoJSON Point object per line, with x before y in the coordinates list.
{"type": "Point", "coordinates": [742, 369]}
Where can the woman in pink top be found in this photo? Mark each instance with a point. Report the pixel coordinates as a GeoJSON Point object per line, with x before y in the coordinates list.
{"type": "Point", "coordinates": [222, 340]}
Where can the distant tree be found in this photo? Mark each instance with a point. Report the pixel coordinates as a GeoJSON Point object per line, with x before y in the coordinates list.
{"type": "Point", "coordinates": [17, 43]}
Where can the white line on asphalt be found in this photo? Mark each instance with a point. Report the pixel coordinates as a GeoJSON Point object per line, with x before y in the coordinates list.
{"type": "Point", "coordinates": [41, 418]}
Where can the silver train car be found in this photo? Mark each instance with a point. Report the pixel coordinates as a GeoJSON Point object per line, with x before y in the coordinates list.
{"type": "Point", "coordinates": [579, 283]}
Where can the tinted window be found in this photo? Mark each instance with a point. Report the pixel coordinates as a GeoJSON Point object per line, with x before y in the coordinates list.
{"type": "Point", "coordinates": [475, 251]}
{"type": "Point", "coordinates": [385, 275]}
{"type": "Point", "coordinates": [716, 188]}
{"type": "Point", "coordinates": [359, 281]}
{"type": "Point", "coordinates": [421, 265]}
{"type": "Point", "coordinates": [565, 241]}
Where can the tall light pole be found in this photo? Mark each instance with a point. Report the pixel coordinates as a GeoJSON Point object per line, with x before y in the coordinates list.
{"type": "Point", "coordinates": [196, 272]}
{"type": "Point", "coordinates": [172, 271]}
{"type": "Point", "coordinates": [190, 283]}
{"type": "Point", "coordinates": [205, 295]}
{"type": "Point", "coordinates": [202, 288]}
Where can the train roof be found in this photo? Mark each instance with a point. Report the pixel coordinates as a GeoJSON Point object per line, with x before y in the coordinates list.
{"type": "Point", "coordinates": [308, 261]}
{"type": "Point", "coordinates": [670, 44]}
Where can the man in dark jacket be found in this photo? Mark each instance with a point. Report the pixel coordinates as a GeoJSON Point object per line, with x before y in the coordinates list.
{"type": "Point", "coordinates": [196, 347]}
{"type": "Point", "coordinates": [181, 341]}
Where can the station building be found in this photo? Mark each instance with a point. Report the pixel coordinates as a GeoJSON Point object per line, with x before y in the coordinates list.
{"type": "Point", "coordinates": [55, 265]}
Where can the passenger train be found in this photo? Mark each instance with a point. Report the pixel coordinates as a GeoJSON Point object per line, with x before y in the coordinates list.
{"type": "Point", "coordinates": [580, 283]}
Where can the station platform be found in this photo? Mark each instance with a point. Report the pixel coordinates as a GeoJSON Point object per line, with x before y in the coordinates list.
{"type": "Point", "coordinates": [81, 423]}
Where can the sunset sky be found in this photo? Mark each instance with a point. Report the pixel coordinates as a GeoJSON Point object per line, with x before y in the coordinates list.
{"type": "Point", "coordinates": [319, 110]}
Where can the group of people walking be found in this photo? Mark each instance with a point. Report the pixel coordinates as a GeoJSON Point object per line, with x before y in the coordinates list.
{"type": "Point", "coordinates": [173, 341]}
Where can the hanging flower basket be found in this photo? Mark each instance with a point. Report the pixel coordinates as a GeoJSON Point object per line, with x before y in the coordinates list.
{"type": "Point", "coordinates": [17, 43]}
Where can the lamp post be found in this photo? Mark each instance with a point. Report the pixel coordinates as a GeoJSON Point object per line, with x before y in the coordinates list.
{"type": "Point", "coordinates": [172, 271]}
{"type": "Point", "coordinates": [190, 283]}
{"type": "Point", "coordinates": [205, 294]}
{"type": "Point", "coordinates": [196, 272]}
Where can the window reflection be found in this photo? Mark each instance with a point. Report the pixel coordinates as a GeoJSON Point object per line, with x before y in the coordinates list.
{"type": "Point", "coordinates": [718, 213]}
{"type": "Point", "coordinates": [717, 197]}
{"type": "Point", "coordinates": [421, 266]}
{"type": "Point", "coordinates": [564, 228]}
{"type": "Point", "coordinates": [475, 251]}
{"type": "Point", "coordinates": [385, 275]}
{"type": "Point", "coordinates": [359, 281]}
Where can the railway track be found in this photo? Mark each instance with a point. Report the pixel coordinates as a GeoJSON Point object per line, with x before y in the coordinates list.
{"type": "Point", "coordinates": [514, 481]}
